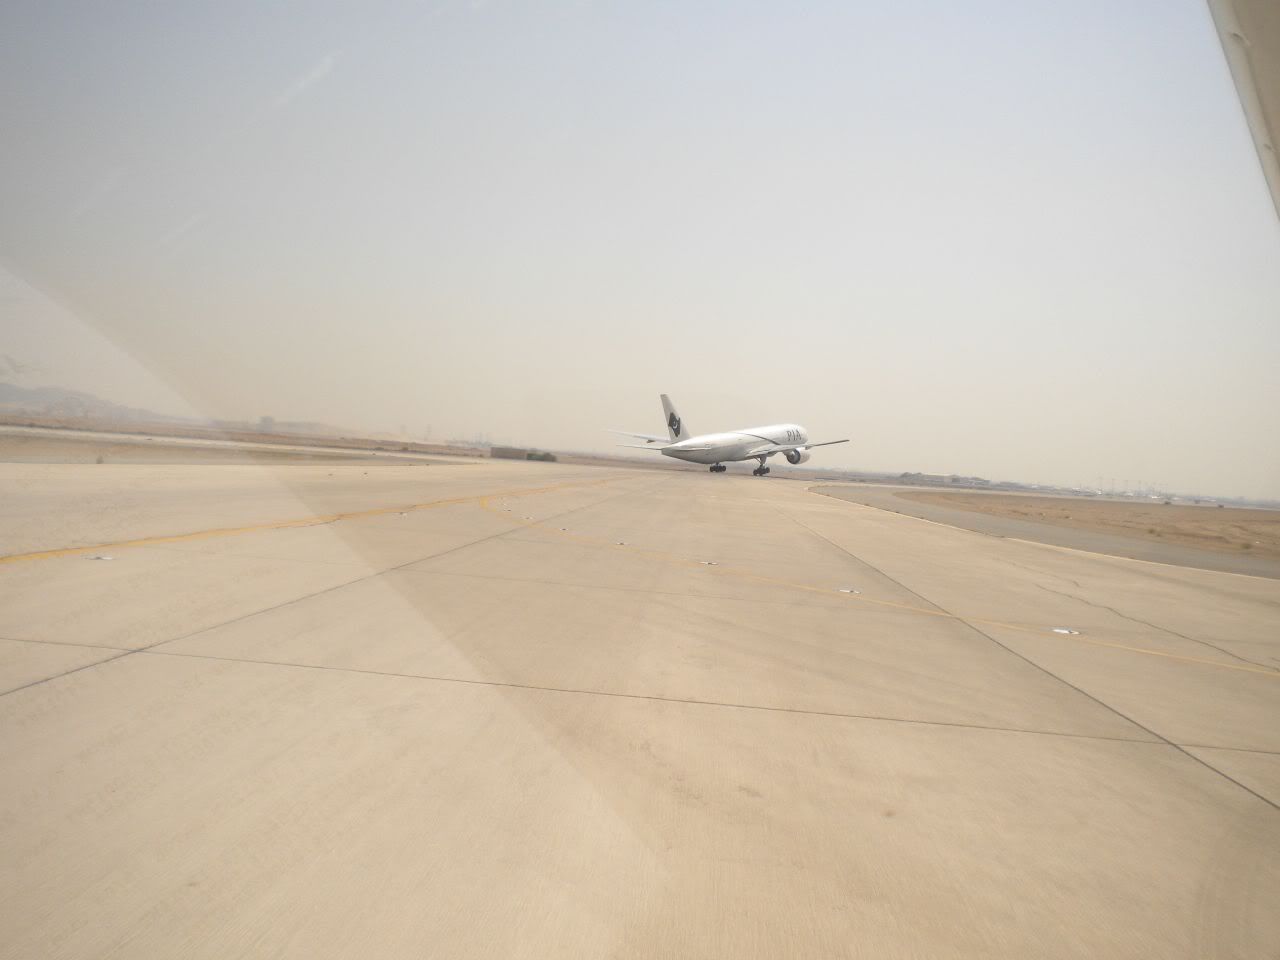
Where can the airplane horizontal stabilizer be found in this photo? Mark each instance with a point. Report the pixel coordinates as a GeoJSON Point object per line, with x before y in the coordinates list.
{"type": "Point", "coordinates": [647, 437]}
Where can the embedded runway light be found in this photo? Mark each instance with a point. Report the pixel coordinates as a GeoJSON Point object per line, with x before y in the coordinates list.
{"type": "Point", "coordinates": [99, 556]}
{"type": "Point", "coordinates": [709, 563]}
{"type": "Point", "coordinates": [1067, 630]}
{"type": "Point", "coordinates": [849, 590]}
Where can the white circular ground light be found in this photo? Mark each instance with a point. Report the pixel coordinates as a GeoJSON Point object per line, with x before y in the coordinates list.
{"type": "Point", "coordinates": [1067, 630]}
{"type": "Point", "coordinates": [849, 590]}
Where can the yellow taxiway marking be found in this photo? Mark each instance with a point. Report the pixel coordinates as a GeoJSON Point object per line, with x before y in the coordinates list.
{"type": "Point", "coordinates": [286, 524]}
{"type": "Point", "coordinates": [484, 501]}
{"type": "Point", "coordinates": [719, 569]}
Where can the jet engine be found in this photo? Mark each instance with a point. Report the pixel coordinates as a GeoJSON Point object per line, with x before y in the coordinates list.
{"type": "Point", "coordinates": [797, 456]}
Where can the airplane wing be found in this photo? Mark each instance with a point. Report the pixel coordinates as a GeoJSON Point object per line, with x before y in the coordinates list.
{"type": "Point", "coordinates": [646, 437]}
{"type": "Point", "coordinates": [784, 447]}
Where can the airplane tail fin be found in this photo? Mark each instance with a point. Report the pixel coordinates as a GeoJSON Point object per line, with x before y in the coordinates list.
{"type": "Point", "coordinates": [675, 426]}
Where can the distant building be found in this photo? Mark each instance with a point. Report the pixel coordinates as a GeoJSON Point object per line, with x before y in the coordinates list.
{"type": "Point", "coordinates": [520, 453]}
{"type": "Point", "coordinates": [938, 479]}
{"type": "Point", "coordinates": [509, 453]}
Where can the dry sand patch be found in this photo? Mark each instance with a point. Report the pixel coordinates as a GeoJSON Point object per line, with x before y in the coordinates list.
{"type": "Point", "coordinates": [1223, 529]}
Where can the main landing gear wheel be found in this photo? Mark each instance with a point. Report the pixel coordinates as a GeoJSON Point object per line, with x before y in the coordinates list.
{"type": "Point", "coordinates": [760, 471]}
{"type": "Point", "coordinates": [718, 468]}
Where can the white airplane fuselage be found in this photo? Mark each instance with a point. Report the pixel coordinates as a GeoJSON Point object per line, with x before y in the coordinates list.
{"type": "Point", "coordinates": [789, 440]}
{"type": "Point", "coordinates": [735, 445]}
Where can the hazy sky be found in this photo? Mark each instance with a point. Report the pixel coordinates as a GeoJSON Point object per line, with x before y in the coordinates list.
{"type": "Point", "coordinates": [1025, 239]}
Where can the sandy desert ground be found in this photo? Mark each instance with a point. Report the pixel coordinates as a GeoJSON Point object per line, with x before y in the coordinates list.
{"type": "Point", "coordinates": [536, 710]}
{"type": "Point", "coordinates": [1115, 532]}
{"type": "Point", "coordinates": [1232, 530]}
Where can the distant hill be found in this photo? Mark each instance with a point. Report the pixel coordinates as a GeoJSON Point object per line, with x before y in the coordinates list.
{"type": "Point", "coordinates": [72, 404]}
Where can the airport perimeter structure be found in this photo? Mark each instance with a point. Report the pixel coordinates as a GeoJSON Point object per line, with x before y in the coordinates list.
{"type": "Point", "coordinates": [503, 709]}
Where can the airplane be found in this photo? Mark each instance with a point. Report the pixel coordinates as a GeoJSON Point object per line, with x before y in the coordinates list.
{"type": "Point", "coordinates": [758, 443]}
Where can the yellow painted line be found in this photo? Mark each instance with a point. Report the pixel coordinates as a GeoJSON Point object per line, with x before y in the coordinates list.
{"type": "Point", "coordinates": [286, 524]}
{"type": "Point", "coordinates": [1040, 630]}
{"type": "Point", "coordinates": [485, 502]}
{"type": "Point", "coordinates": [1177, 656]}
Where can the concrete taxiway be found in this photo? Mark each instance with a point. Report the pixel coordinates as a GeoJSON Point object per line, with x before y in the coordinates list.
{"type": "Point", "coordinates": [529, 710]}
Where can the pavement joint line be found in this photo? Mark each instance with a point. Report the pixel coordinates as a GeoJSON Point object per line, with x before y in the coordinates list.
{"type": "Point", "coordinates": [290, 524]}
{"type": "Point", "coordinates": [66, 673]}
{"type": "Point", "coordinates": [1211, 746]}
{"type": "Point", "coordinates": [1039, 630]}
{"type": "Point", "coordinates": [1146, 651]}
{"type": "Point", "coordinates": [909, 516]}
{"type": "Point", "coordinates": [602, 586]}
{"type": "Point", "coordinates": [483, 502]}
{"type": "Point", "coordinates": [1153, 626]}
{"type": "Point", "coordinates": [654, 698]}
{"type": "Point", "coordinates": [66, 643]}
{"type": "Point", "coordinates": [195, 633]}
{"type": "Point", "coordinates": [1085, 693]}
{"type": "Point", "coordinates": [370, 576]}
{"type": "Point", "coordinates": [1035, 629]}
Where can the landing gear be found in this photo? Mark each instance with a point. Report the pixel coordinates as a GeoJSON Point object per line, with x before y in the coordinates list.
{"type": "Point", "coordinates": [718, 468]}
{"type": "Point", "coordinates": [761, 470]}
